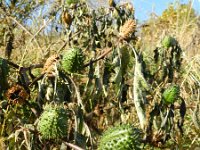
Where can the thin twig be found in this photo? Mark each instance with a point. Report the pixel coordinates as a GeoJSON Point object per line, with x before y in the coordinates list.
{"type": "Point", "coordinates": [79, 100]}
{"type": "Point", "coordinates": [108, 50]}
{"type": "Point", "coordinates": [36, 79]}
{"type": "Point", "coordinates": [44, 25]}
{"type": "Point", "coordinates": [66, 41]}
{"type": "Point", "coordinates": [26, 31]}
{"type": "Point", "coordinates": [75, 147]}
{"type": "Point", "coordinates": [23, 70]}
{"type": "Point", "coordinates": [26, 68]}
{"type": "Point", "coordinates": [21, 26]}
{"type": "Point", "coordinates": [86, 65]}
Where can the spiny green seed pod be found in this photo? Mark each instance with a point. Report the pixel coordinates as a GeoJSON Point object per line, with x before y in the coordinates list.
{"type": "Point", "coordinates": [168, 42]}
{"type": "Point", "coordinates": [53, 122]}
{"type": "Point", "coordinates": [171, 94]}
{"type": "Point", "coordinates": [72, 60]}
{"type": "Point", "coordinates": [122, 137]}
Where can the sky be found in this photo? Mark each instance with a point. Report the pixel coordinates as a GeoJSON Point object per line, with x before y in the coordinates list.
{"type": "Point", "coordinates": [144, 7]}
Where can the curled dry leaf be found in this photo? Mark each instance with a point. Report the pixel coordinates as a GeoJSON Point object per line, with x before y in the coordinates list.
{"type": "Point", "coordinates": [66, 18]}
{"type": "Point", "coordinates": [50, 64]}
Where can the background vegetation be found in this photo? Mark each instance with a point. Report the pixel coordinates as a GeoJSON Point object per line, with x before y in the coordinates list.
{"type": "Point", "coordinates": [122, 62]}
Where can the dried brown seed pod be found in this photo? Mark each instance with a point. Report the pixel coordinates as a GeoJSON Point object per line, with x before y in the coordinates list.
{"type": "Point", "coordinates": [17, 94]}
{"type": "Point", "coordinates": [50, 65]}
{"type": "Point", "coordinates": [127, 29]}
{"type": "Point", "coordinates": [66, 18]}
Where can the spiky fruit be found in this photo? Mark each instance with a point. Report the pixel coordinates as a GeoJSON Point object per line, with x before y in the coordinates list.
{"type": "Point", "coordinates": [171, 94]}
{"type": "Point", "coordinates": [168, 42]}
{"type": "Point", "coordinates": [72, 60]}
{"type": "Point", "coordinates": [121, 137]}
{"type": "Point", "coordinates": [52, 123]}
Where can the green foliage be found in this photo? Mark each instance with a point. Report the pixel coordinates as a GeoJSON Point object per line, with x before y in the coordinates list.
{"type": "Point", "coordinates": [69, 2]}
{"type": "Point", "coordinates": [180, 13]}
{"type": "Point", "coordinates": [125, 59]}
{"type": "Point", "coordinates": [168, 42]}
{"type": "Point", "coordinates": [177, 19]}
{"type": "Point", "coordinates": [72, 60]}
{"type": "Point", "coordinates": [171, 94]}
{"type": "Point", "coordinates": [169, 57]}
{"type": "Point", "coordinates": [53, 122]}
{"type": "Point", "coordinates": [121, 137]}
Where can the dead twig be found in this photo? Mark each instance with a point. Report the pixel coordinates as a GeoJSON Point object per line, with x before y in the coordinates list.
{"type": "Point", "coordinates": [23, 71]}
{"type": "Point", "coordinates": [107, 51]}
{"type": "Point", "coordinates": [33, 37]}
{"type": "Point", "coordinates": [36, 79]}
{"type": "Point", "coordinates": [26, 68]}
{"type": "Point", "coordinates": [66, 41]}
{"type": "Point", "coordinates": [44, 25]}
{"type": "Point", "coordinates": [75, 147]}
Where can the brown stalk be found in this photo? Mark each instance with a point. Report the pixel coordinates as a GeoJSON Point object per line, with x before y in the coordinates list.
{"type": "Point", "coordinates": [106, 52]}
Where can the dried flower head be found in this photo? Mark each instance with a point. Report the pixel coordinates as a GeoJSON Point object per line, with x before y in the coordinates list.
{"type": "Point", "coordinates": [50, 65]}
{"type": "Point", "coordinates": [127, 29]}
{"type": "Point", "coordinates": [17, 94]}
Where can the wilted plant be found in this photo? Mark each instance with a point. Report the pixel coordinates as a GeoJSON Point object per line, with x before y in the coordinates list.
{"type": "Point", "coordinates": [101, 75]}
{"type": "Point", "coordinates": [168, 59]}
